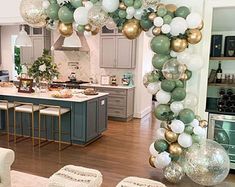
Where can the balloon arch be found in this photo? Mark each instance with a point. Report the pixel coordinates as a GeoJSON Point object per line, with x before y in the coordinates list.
{"type": "Point", "coordinates": [181, 146]}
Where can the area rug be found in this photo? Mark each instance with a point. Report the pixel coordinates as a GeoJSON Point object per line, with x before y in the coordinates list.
{"type": "Point", "coordinates": [20, 179]}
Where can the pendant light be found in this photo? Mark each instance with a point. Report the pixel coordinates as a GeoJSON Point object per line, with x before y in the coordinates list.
{"type": "Point", "coordinates": [23, 39]}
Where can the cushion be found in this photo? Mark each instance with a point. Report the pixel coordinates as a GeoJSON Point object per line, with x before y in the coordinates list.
{"type": "Point", "coordinates": [137, 182]}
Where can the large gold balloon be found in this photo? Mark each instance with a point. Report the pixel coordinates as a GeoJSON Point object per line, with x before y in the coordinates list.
{"type": "Point", "coordinates": [152, 160]}
{"type": "Point", "coordinates": [171, 136]}
{"type": "Point", "coordinates": [65, 30]}
{"type": "Point", "coordinates": [132, 29]}
{"type": "Point", "coordinates": [179, 45]}
{"type": "Point", "coordinates": [203, 123]}
{"type": "Point", "coordinates": [156, 31]}
{"type": "Point", "coordinates": [175, 149]}
{"type": "Point", "coordinates": [194, 36]}
{"type": "Point", "coordinates": [171, 7]}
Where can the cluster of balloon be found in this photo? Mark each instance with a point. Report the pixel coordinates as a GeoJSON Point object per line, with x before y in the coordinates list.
{"type": "Point", "coordinates": [173, 30]}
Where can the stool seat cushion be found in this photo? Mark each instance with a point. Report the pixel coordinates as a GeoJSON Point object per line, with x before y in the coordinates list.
{"type": "Point", "coordinates": [54, 111]}
{"type": "Point", "coordinates": [74, 176]}
{"type": "Point", "coordinates": [3, 106]}
{"type": "Point", "coordinates": [137, 182]}
{"type": "Point", "coordinates": [27, 108]}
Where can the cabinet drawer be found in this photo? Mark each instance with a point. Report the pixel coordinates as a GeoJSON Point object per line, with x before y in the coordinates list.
{"type": "Point", "coordinates": [117, 112]}
{"type": "Point", "coordinates": [117, 101]}
{"type": "Point", "coordinates": [113, 91]}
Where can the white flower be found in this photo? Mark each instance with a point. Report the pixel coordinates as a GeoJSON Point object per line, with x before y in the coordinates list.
{"type": "Point", "coordinates": [42, 68]}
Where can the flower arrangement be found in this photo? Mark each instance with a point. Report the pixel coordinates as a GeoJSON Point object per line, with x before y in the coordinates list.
{"type": "Point", "coordinates": [43, 68]}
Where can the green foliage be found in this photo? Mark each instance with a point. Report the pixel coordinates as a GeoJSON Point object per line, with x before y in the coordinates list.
{"type": "Point", "coordinates": [43, 68]}
{"type": "Point", "coordinates": [18, 66]}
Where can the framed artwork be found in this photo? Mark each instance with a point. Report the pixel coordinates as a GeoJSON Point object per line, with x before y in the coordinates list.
{"type": "Point", "coordinates": [26, 86]}
{"type": "Point", "coordinates": [105, 80]}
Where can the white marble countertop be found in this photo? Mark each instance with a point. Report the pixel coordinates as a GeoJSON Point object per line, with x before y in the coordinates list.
{"type": "Point", "coordinates": [107, 86]}
{"type": "Point", "coordinates": [78, 97]}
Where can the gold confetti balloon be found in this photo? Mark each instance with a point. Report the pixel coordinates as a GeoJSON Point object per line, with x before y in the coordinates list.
{"type": "Point", "coordinates": [174, 173]}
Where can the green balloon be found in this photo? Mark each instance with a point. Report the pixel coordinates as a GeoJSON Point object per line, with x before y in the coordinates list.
{"type": "Point", "coordinates": [196, 138]}
{"type": "Point", "coordinates": [81, 28]}
{"type": "Point", "coordinates": [189, 74]}
{"type": "Point", "coordinates": [186, 116]}
{"type": "Point", "coordinates": [161, 145]}
{"type": "Point", "coordinates": [128, 2]}
{"type": "Point", "coordinates": [137, 4]}
{"type": "Point", "coordinates": [76, 3]}
{"type": "Point", "coordinates": [153, 77]}
{"type": "Point", "coordinates": [188, 129]}
{"type": "Point", "coordinates": [159, 60]}
{"type": "Point", "coordinates": [182, 11]}
{"type": "Point", "coordinates": [162, 112]}
{"type": "Point", "coordinates": [174, 157]}
{"type": "Point", "coordinates": [122, 13]}
{"type": "Point", "coordinates": [53, 1]}
{"type": "Point", "coordinates": [171, 14]}
{"type": "Point", "coordinates": [52, 11]}
{"type": "Point", "coordinates": [146, 24]}
{"type": "Point", "coordinates": [161, 44]}
{"type": "Point", "coordinates": [221, 136]}
{"type": "Point", "coordinates": [179, 84]}
{"type": "Point", "coordinates": [162, 11]}
{"type": "Point", "coordinates": [167, 19]}
{"type": "Point", "coordinates": [168, 85]}
{"type": "Point", "coordinates": [65, 15]}
{"type": "Point", "coordinates": [178, 94]}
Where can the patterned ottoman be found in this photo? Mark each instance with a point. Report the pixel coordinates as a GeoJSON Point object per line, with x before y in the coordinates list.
{"type": "Point", "coordinates": [139, 182]}
{"type": "Point", "coordinates": [74, 176]}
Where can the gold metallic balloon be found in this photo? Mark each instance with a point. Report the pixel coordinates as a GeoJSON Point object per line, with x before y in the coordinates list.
{"type": "Point", "coordinates": [203, 123]}
{"type": "Point", "coordinates": [156, 31]}
{"type": "Point", "coordinates": [122, 6]}
{"type": "Point", "coordinates": [194, 36]}
{"type": "Point", "coordinates": [95, 31]}
{"type": "Point", "coordinates": [132, 29]}
{"type": "Point", "coordinates": [88, 27]}
{"type": "Point", "coordinates": [200, 27]}
{"type": "Point", "coordinates": [175, 149]}
{"type": "Point", "coordinates": [160, 5]}
{"type": "Point", "coordinates": [65, 30]}
{"type": "Point", "coordinates": [179, 45]}
{"type": "Point", "coordinates": [171, 8]}
{"type": "Point", "coordinates": [152, 160]}
{"type": "Point", "coordinates": [171, 136]}
{"type": "Point", "coordinates": [184, 77]}
{"type": "Point", "coordinates": [152, 16]}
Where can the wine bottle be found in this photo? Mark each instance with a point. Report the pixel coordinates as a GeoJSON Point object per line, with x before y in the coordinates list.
{"type": "Point", "coordinates": [219, 74]}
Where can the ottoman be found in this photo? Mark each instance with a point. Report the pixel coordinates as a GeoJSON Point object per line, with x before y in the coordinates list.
{"type": "Point", "coordinates": [74, 176]}
{"type": "Point", "coordinates": [137, 182]}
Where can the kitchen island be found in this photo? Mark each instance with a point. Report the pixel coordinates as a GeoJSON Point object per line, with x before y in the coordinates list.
{"type": "Point", "coordinates": [85, 123]}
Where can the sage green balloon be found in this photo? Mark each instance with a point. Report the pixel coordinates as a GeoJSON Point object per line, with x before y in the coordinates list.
{"type": "Point", "coordinates": [159, 60]}
{"type": "Point", "coordinates": [189, 74]}
{"type": "Point", "coordinates": [53, 1]}
{"type": "Point", "coordinates": [161, 145]}
{"type": "Point", "coordinates": [122, 13]}
{"type": "Point", "coordinates": [182, 11]}
{"type": "Point", "coordinates": [178, 94]}
{"type": "Point", "coordinates": [167, 19]}
{"type": "Point", "coordinates": [81, 28]}
{"type": "Point", "coordinates": [52, 11]}
{"type": "Point", "coordinates": [179, 84]}
{"type": "Point", "coordinates": [196, 138]}
{"type": "Point", "coordinates": [170, 14]}
{"type": "Point", "coordinates": [161, 44]}
{"type": "Point", "coordinates": [160, 111]}
{"type": "Point", "coordinates": [153, 77]}
{"type": "Point", "coordinates": [146, 24]}
{"type": "Point", "coordinates": [137, 4]}
{"type": "Point", "coordinates": [65, 15]}
{"type": "Point", "coordinates": [162, 11]}
{"type": "Point", "coordinates": [168, 85]}
{"type": "Point", "coordinates": [128, 2]}
{"type": "Point", "coordinates": [76, 3]}
{"type": "Point", "coordinates": [188, 129]}
{"type": "Point", "coordinates": [186, 116]}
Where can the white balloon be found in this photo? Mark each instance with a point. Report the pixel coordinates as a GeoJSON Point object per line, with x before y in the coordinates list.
{"type": "Point", "coordinates": [152, 150]}
{"type": "Point", "coordinates": [88, 5]}
{"type": "Point", "coordinates": [193, 20]}
{"type": "Point", "coordinates": [184, 57]}
{"type": "Point", "coordinates": [153, 88]}
{"type": "Point", "coordinates": [158, 21]}
{"type": "Point", "coordinates": [198, 131]}
{"type": "Point", "coordinates": [176, 107]}
{"type": "Point", "coordinates": [81, 16]}
{"type": "Point", "coordinates": [45, 4]}
{"type": "Point", "coordinates": [173, 54]}
{"type": "Point", "coordinates": [177, 126]}
{"type": "Point", "coordinates": [129, 16]}
{"type": "Point", "coordinates": [194, 123]}
{"type": "Point", "coordinates": [138, 13]}
{"type": "Point", "coordinates": [166, 29]}
{"type": "Point", "coordinates": [178, 26]}
{"type": "Point", "coordinates": [149, 33]}
{"type": "Point", "coordinates": [110, 5]}
{"type": "Point", "coordinates": [185, 140]}
{"type": "Point", "coordinates": [160, 134]}
{"type": "Point", "coordinates": [130, 10]}
{"type": "Point", "coordinates": [191, 100]}
{"type": "Point", "coordinates": [195, 63]}
{"type": "Point", "coordinates": [162, 160]}
{"type": "Point", "coordinates": [163, 97]}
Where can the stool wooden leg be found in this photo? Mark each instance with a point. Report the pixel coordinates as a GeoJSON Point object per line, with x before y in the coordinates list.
{"type": "Point", "coordinates": [59, 121]}
{"type": "Point", "coordinates": [14, 126]}
{"type": "Point", "coordinates": [32, 118]}
{"type": "Point", "coordinates": [8, 125]}
{"type": "Point", "coordinates": [39, 130]}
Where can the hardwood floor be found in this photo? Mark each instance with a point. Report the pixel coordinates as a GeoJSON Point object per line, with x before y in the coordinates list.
{"type": "Point", "coordinates": [122, 151]}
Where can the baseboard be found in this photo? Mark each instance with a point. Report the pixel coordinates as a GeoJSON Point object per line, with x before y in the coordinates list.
{"type": "Point", "coordinates": [143, 113]}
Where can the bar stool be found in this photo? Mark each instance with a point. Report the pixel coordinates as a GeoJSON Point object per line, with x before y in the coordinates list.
{"type": "Point", "coordinates": [29, 108]}
{"type": "Point", "coordinates": [53, 111]}
{"type": "Point", "coordinates": [5, 105]}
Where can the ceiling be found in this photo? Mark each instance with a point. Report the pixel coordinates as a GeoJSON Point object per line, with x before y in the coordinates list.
{"type": "Point", "coordinates": [224, 19]}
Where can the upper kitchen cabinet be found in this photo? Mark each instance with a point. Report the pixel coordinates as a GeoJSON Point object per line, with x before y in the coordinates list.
{"type": "Point", "coordinates": [105, 31]}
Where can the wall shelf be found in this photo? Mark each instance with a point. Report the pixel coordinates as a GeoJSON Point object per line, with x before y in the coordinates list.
{"type": "Point", "coordinates": [222, 85]}
{"type": "Point", "coordinates": [221, 58]}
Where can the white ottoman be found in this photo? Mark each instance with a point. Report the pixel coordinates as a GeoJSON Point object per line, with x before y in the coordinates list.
{"type": "Point", "coordinates": [137, 182]}
{"type": "Point", "coordinates": [74, 176]}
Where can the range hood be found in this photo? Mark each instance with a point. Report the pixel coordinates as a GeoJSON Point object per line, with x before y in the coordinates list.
{"type": "Point", "coordinates": [76, 42]}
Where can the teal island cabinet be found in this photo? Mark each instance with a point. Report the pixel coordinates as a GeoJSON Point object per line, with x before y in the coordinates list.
{"type": "Point", "coordinates": [85, 122]}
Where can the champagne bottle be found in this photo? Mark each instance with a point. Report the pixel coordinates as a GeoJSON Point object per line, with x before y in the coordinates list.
{"type": "Point", "coordinates": [219, 74]}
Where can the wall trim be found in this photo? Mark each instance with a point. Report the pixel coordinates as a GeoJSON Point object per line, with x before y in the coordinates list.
{"type": "Point", "coordinates": [143, 113]}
